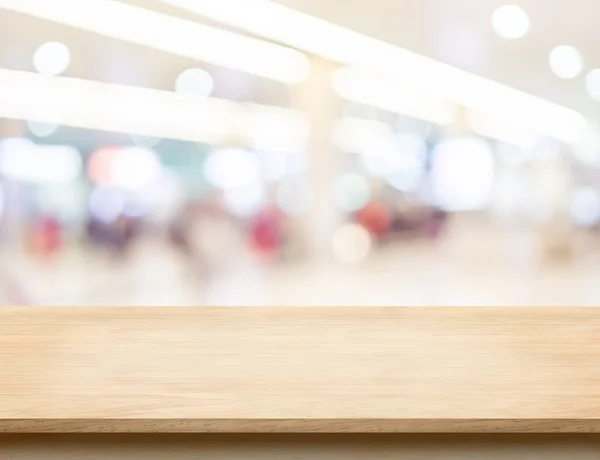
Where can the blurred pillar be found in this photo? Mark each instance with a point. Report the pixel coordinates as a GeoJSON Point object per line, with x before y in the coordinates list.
{"type": "Point", "coordinates": [316, 98]}
{"type": "Point", "coordinates": [553, 176]}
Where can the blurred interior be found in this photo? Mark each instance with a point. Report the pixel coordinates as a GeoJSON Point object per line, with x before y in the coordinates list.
{"type": "Point", "coordinates": [299, 152]}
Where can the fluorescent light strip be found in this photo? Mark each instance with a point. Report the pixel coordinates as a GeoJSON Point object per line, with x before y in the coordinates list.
{"type": "Point", "coordinates": [273, 21]}
{"type": "Point", "coordinates": [505, 132]}
{"type": "Point", "coordinates": [377, 91]}
{"type": "Point", "coordinates": [172, 35]}
{"type": "Point", "coordinates": [386, 92]}
{"type": "Point", "coordinates": [120, 108]}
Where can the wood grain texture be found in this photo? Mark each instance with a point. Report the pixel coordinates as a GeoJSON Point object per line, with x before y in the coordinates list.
{"type": "Point", "coordinates": [299, 370]}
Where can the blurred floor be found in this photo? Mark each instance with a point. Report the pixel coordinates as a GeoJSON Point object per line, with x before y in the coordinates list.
{"type": "Point", "coordinates": [473, 265]}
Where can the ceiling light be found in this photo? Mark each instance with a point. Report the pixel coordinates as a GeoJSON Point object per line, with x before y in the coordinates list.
{"type": "Point", "coordinates": [503, 131]}
{"type": "Point", "coordinates": [566, 62]}
{"type": "Point", "coordinates": [367, 88]}
{"type": "Point", "coordinates": [118, 108]}
{"type": "Point", "coordinates": [269, 19]}
{"type": "Point", "coordinates": [510, 21]}
{"type": "Point", "coordinates": [172, 35]}
{"type": "Point", "coordinates": [520, 110]}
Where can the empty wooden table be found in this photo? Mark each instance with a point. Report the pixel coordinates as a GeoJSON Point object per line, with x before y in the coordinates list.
{"type": "Point", "coordinates": [183, 383]}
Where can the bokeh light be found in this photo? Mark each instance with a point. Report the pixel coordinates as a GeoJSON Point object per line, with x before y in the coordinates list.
{"type": "Point", "coordinates": [131, 168]}
{"type": "Point", "coordinates": [107, 204]}
{"type": "Point", "coordinates": [357, 135]}
{"type": "Point", "coordinates": [52, 59]}
{"type": "Point", "coordinates": [510, 22]}
{"type": "Point", "coordinates": [164, 196]}
{"type": "Point", "coordinates": [295, 197]}
{"type": "Point", "coordinates": [135, 208]}
{"type": "Point", "coordinates": [588, 152]}
{"type": "Point", "coordinates": [463, 174]}
{"type": "Point", "coordinates": [407, 179]}
{"type": "Point", "coordinates": [298, 163]}
{"type": "Point", "coordinates": [232, 168]}
{"type": "Point", "coordinates": [566, 61]}
{"type": "Point", "coordinates": [45, 121]}
{"type": "Point", "coordinates": [585, 207]}
{"type": "Point", "coordinates": [245, 201]}
{"type": "Point", "coordinates": [380, 156]}
{"type": "Point", "coordinates": [412, 144]}
{"type": "Point", "coordinates": [134, 168]}
{"type": "Point", "coordinates": [273, 131]}
{"type": "Point", "coordinates": [24, 161]}
{"type": "Point", "coordinates": [274, 166]}
{"type": "Point", "coordinates": [351, 192]}
{"type": "Point", "coordinates": [39, 129]}
{"type": "Point", "coordinates": [100, 164]}
{"type": "Point", "coordinates": [194, 82]}
{"type": "Point", "coordinates": [1, 200]}
{"type": "Point", "coordinates": [407, 172]}
{"type": "Point", "coordinates": [592, 84]}
{"type": "Point", "coordinates": [351, 243]}
{"type": "Point", "coordinates": [513, 155]}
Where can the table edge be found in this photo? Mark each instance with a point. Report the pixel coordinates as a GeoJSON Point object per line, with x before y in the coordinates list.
{"type": "Point", "coordinates": [533, 425]}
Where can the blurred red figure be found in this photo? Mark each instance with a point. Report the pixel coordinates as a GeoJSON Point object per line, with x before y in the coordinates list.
{"type": "Point", "coordinates": [47, 238]}
{"type": "Point", "coordinates": [267, 234]}
{"type": "Point", "coordinates": [375, 218]}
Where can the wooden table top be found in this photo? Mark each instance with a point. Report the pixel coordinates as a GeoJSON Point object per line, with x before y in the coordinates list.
{"type": "Point", "coordinates": [299, 369]}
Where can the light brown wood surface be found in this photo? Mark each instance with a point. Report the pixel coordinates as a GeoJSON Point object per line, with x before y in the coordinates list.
{"type": "Point", "coordinates": [299, 369]}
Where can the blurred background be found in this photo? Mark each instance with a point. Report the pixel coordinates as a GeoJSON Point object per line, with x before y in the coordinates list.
{"type": "Point", "coordinates": [299, 152]}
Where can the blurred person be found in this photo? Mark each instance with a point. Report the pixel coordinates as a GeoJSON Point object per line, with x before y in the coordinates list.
{"type": "Point", "coordinates": [435, 223]}
{"type": "Point", "coordinates": [267, 234]}
{"type": "Point", "coordinates": [179, 229]}
{"type": "Point", "coordinates": [405, 216]}
{"type": "Point", "coordinates": [98, 233]}
{"type": "Point", "coordinates": [556, 241]}
{"type": "Point", "coordinates": [218, 239]}
{"type": "Point", "coordinates": [45, 237]}
{"type": "Point", "coordinates": [127, 230]}
{"type": "Point", "coordinates": [376, 218]}
{"type": "Point", "coordinates": [117, 237]}
{"type": "Point", "coordinates": [181, 236]}
{"type": "Point", "coordinates": [209, 238]}
{"type": "Point", "coordinates": [294, 245]}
